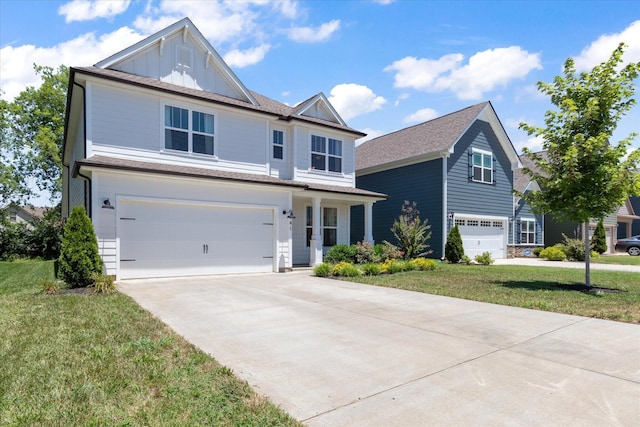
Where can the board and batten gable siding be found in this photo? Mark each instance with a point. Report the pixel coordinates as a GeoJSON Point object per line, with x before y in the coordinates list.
{"type": "Point", "coordinates": [303, 171]}
{"type": "Point", "coordinates": [163, 65]}
{"type": "Point", "coordinates": [420, 182]}
{"type": "Point", "coordinates": [466, 196]}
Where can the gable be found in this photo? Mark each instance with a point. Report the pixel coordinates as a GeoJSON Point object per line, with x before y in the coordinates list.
{"type": "Point", "coordinates": [180, 55]}
{"type": "Point", "coordinates": [319, 107]}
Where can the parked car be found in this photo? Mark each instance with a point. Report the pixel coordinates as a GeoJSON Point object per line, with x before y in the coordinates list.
{"type": "Point", "coordinates": [631, 245]}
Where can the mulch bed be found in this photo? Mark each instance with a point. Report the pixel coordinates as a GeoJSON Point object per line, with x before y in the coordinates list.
{"type": "Point", "coordinates": [592, 289]}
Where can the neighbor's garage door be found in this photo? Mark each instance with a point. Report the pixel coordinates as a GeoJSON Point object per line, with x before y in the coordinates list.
{"type": "Point", "coordinates": [167, 239]}
{"type": "Point", "coordinates": [483, 235]}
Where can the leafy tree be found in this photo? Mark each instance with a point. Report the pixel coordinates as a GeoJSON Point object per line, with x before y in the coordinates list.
{"type": "Point", "coordinates": [583, 175]}
{"type": "Point", "coordinates": [79, 257]}
{"type": "Point", "coordinates": [453, 249]}
{"type": "Point", "coordinates": [410, 232]}
{"type": "Point", "coordinates": [31, 130]}
{"type": "Point", "coordinates": [599, 239]}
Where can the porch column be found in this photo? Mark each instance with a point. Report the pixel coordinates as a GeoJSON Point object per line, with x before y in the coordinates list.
{"type": "Point", "coordinates": [315, 245]}
{"type": "Point", "coordinates": [368, 223]}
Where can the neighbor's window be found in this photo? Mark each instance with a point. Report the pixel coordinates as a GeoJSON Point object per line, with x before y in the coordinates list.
{"type": "Point", "coordinates": [482, 166]}
{"type": "Point", "coordinates": [195, 136]}
{"type": "Point", "coordinates": [326, 156]}
{"type": "Point", "coordinates": [528, 231]}
{"type": "Point", "coordinates": [278, 144]}
{"type": "Point", "coordinates": [328, 227]}
{"type": "Point", "coordinates": [12, 217]}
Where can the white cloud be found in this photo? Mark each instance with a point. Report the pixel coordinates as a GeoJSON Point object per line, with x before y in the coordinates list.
{"type": "Point", "coordinates": [242, 58]}
{"type": "Point", "coordinates": [533, 143]}
{"type": "Point", "coordinates": [288, 8]}
{"type": "Point", "coordinates": [351, 100]}
{"type": "Point", "coordinates": [371, 133]}
{"type": "Point", "coordinates": [483, 72]}
{"type": "Point", "coordinates": [420, 116]}
{"type": "Point", "coordinates": [601, 49]}
{"type": "Point", "coordinates": [86, 10]}
{"type": "Point", "coordinates": [314, 35]}
{"type": "Point", "coordinates": [384, 2]}
{"type": "Point", "coordinates": [16, 73]}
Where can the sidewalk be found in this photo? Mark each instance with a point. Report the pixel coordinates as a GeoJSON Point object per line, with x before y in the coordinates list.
{"type": "Point", "coordinates": [537, 262]}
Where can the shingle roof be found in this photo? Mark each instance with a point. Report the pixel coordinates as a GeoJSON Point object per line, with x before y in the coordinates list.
{"type": "Point", "coordinates": [520, 179]}
{"type": "Point", "coordinates": [429, 137]}
{"type": "Point", "coordinates": [205, 173]}
{"type": "Point", "coordinates": [266, 105]}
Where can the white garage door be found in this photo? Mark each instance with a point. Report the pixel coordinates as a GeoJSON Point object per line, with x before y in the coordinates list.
{"type": "Point", "coordinates": [483, 235]}
{"type": "Point", "coordinates": [167, 239]}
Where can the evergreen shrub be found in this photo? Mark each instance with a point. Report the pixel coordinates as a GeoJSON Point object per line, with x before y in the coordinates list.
{"type": "Point", "coordinates": [79, 257]}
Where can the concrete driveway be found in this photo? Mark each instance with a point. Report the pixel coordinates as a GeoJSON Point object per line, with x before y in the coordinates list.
{"type": "Point", "coordinates": [335, 353]}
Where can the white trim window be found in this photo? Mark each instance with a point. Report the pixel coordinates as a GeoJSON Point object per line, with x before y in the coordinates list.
{"type": "Point", "coordinates": [191, 133]}
{"type": "Point", "coordinates": [527, 231]}
{"type": "Point", "coordinates": [277, 142]}
{"type": "Point", "coordinates": [328, 227]}
{"type": "Point", "coordinates": [326, 156]}
{"type": "Point", "coordinates": [482, 166]}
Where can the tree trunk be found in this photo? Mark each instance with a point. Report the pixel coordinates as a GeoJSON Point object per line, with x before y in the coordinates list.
{"type": "Point", "coordinates": [587, 255]}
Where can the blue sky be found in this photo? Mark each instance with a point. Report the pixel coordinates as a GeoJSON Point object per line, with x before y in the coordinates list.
{"type": "Point", "coordinates": [385, 65]}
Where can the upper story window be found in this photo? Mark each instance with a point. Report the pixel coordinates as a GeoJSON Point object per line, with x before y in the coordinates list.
{"type": "Point", "coordinates": [278, 144]}
{"type": "Point", "coordinates": [326, 154]}
{"type": "Point", "coordinates": [190, 133]}
{"type": "Point", "coordinates": [482, 166]}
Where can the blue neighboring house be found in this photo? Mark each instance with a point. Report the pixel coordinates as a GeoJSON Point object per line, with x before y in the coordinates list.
{"type": "Point", "coordinates": [459, 168]}
{"type": "Point", "coordinates": [528, 228]}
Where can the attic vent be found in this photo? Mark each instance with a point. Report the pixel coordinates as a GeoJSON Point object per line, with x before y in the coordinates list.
{"type": "Point", "coordinates": [183, 57]}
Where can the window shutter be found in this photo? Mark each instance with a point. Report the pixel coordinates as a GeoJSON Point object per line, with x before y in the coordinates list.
{"type": "Point", "coordinates": [470, 165]}
{"type": "Point", "coordinates": [519, 231]}
{"type": "Point", "coordinates": [493, 169]}
{"type": "Point", "coordinates": [537, 237]}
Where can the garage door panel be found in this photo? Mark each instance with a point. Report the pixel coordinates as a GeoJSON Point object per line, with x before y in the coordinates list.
{"type": "Point", "coordinates": [162, 239]}
{"type": "Point", "coordinates": [483, 235]}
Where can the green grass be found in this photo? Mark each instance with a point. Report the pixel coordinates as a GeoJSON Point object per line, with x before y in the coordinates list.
{"type": "Point", "coordinates": [618, 259]}
{"type": "Point", "coordinates": [528, 287]}
{"type": "Point", "coordinates": [102, 360]}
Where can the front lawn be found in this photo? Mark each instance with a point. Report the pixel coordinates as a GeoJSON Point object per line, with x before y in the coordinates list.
{"type": "Point", "coordinates": [550, 289]}
{"type": "Point", "coordinates": [617, 259]}
{"type": "Point", "coordinates": [102, 360]}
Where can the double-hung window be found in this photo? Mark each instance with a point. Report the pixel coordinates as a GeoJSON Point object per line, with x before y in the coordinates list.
{"type": "Point", "coordinates": [191, 133]}
{"type": "Point", "coordinates": [482, 163]}
{"type": "Point", "coordinates": [528, 231]}
{"type": "Point", "coordinates": [326, 154]}
{"type": "Point", "coordinates": [278, 144]}
{"type": "Point", "coordinates": [328, 226]}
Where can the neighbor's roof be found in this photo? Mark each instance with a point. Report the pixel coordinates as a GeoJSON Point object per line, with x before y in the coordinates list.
{"type": "Point", "coordinates": [114, 163]}
{"type": "Point", "coordinates": [429, 137]}
{"type": "Point", "coordinates": [265, 104]}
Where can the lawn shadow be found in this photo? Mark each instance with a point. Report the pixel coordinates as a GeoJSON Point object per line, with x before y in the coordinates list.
{"type": "Point", "coordinates": [554, 286]}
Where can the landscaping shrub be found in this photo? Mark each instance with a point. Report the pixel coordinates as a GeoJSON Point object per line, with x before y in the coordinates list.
{"type": "Point", "coordinates": [453, 249]}
{"type": "Point", "coordinates": [364, 253]}
{"type": "Point", "coordinates": [465, 260]}
{"type": "Point", "coordinates": [391, 266]}
{"type": "Point", "coordinates": [484, 259]}
{"type": "Point", "coordinates": [371, 269]}
{"type": "Point", "coordinates": [537, 251]}
{"type": "Point", "coordinates": [599, 239]}
{"type": "Point", "coordinates": [79, 256]}
{"type": "Point", "coordinates": [553, 253]}
{"type": "Point", "coordinates": [345, 269]}
{"type": "Point", "coordinates": [339, 253]}
{"type": "Point", "coordinates": [322, 270]}
{"type": "Point", "coordinates": [410, 232]}
{"type": "Point", "coordinates": [573, 248]}
{"type": "Point", "coordinates": [103, 284]}
{"type": "Point", "coordinates": [385, 251]}
{"type": "Point", "coordinates": [423, 264]}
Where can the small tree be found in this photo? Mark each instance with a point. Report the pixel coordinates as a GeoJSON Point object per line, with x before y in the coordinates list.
{"type": "Point", "coordinates": [582, 174]}
{"type": "Point", "coordinates": [79, 256]}
{"type": "Point", "coordinates": [453, 249]}
{"type": "Point", "coordinates": [410, 232]}
{"type": "Point", "coordinates": [599, 239]}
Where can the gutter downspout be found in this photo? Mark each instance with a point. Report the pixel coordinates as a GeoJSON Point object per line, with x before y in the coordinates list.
{"type": "Point", "coordinates": [445, 215]}
{"type": "Point", "coordinates": [87, 179]}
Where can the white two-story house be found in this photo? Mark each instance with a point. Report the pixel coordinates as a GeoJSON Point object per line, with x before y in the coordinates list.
{"type": "Point", "coordinates": [185, 171]}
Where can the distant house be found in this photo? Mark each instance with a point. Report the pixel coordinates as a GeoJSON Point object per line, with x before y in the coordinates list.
{"type": "Point", "coordinates": [17, 214]}
{"type": "Point", "coordinates": [185, 171]}
{"type": "Point", "coordinates": [628, 220]}
{"type": "Point", "coordinates": [528, 227]}
{"type": "Point", "coordinates": [459, 168]}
